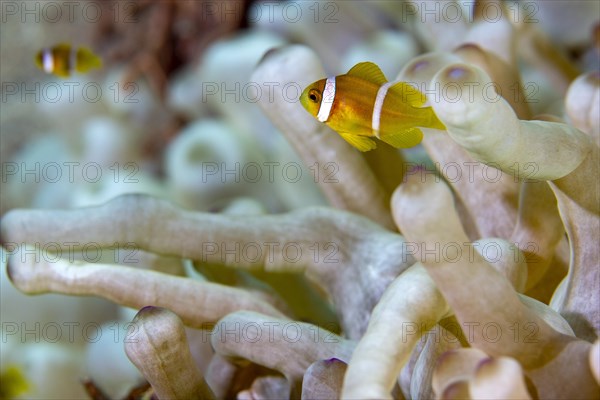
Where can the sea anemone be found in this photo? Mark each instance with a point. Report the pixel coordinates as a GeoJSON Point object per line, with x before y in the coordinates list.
{"type": "Point", "coordinates": [465, 268]}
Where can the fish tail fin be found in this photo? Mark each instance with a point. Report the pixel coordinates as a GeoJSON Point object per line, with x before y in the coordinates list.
{"type": "Point", "coordinates": [87, 60]}
{"type": "Point", "coordinates": [417, 99]}
{"type": "Point", "coordinates": [434, 122]}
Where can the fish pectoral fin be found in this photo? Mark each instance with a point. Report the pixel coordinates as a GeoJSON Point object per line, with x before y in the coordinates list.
{"type": "Point", "coordinates": [369, 72]}
{"type": "Point", "coordinates": [403, 138]}
{"type": "Point", "coordinates": [362, 143]}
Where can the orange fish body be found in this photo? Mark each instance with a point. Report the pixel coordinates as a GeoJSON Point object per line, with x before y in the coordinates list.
{"type": "Point", "coordinates": [61, 60]}
{"type": "Point", "coordinates": [362, 104]}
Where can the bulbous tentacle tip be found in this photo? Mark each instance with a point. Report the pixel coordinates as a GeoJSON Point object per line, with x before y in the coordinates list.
{"type": "Point", "coordinates": [595, 360]}
{"type": "Point", "coordinates": [459, 73]}
{"type": "Point", "coordinates": [456, 73]}
{"type": "Point", "coordinates": [149, 311]}
{"type": "Point", "coordinates": [269, 53]}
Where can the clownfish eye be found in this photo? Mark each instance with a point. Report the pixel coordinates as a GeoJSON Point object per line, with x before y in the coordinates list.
{"type": "Point", "coordinates": [314, 95]}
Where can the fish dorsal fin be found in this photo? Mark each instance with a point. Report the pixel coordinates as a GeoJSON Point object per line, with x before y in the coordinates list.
{"type": "Point", "coordinates": [66, 47]}
{"type": "Point", "coordinates": [362, 143]}
{"type": "Point", "coordinates": [408, 93]}
{"type": "Point", "coordinates": [369, 72]}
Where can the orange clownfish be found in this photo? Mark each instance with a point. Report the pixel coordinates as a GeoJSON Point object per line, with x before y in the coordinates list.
{"type": "Point", "coordinates": [362, 104]}
{"type": "Point", "coordinates": [61, 60]}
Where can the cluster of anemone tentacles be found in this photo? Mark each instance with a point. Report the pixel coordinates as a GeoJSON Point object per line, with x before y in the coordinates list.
{"type": "Point", "coordinates": [460, 325]}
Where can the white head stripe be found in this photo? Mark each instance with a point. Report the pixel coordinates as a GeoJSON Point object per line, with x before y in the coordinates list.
{"type": "Point", "coordinates": [376, 120]}
{"type": "Point", "coordinates": [47, 60]}
{"type": "Point", "coordinates": [327, 99]}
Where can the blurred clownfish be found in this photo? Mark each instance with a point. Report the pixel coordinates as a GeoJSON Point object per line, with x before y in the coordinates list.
{"type": "Point", "coordinates": [14, 382]}
{"type": "Point", "coordinates": [362, 104]}
{"type": "Point", "coordinates": [61, 60]}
